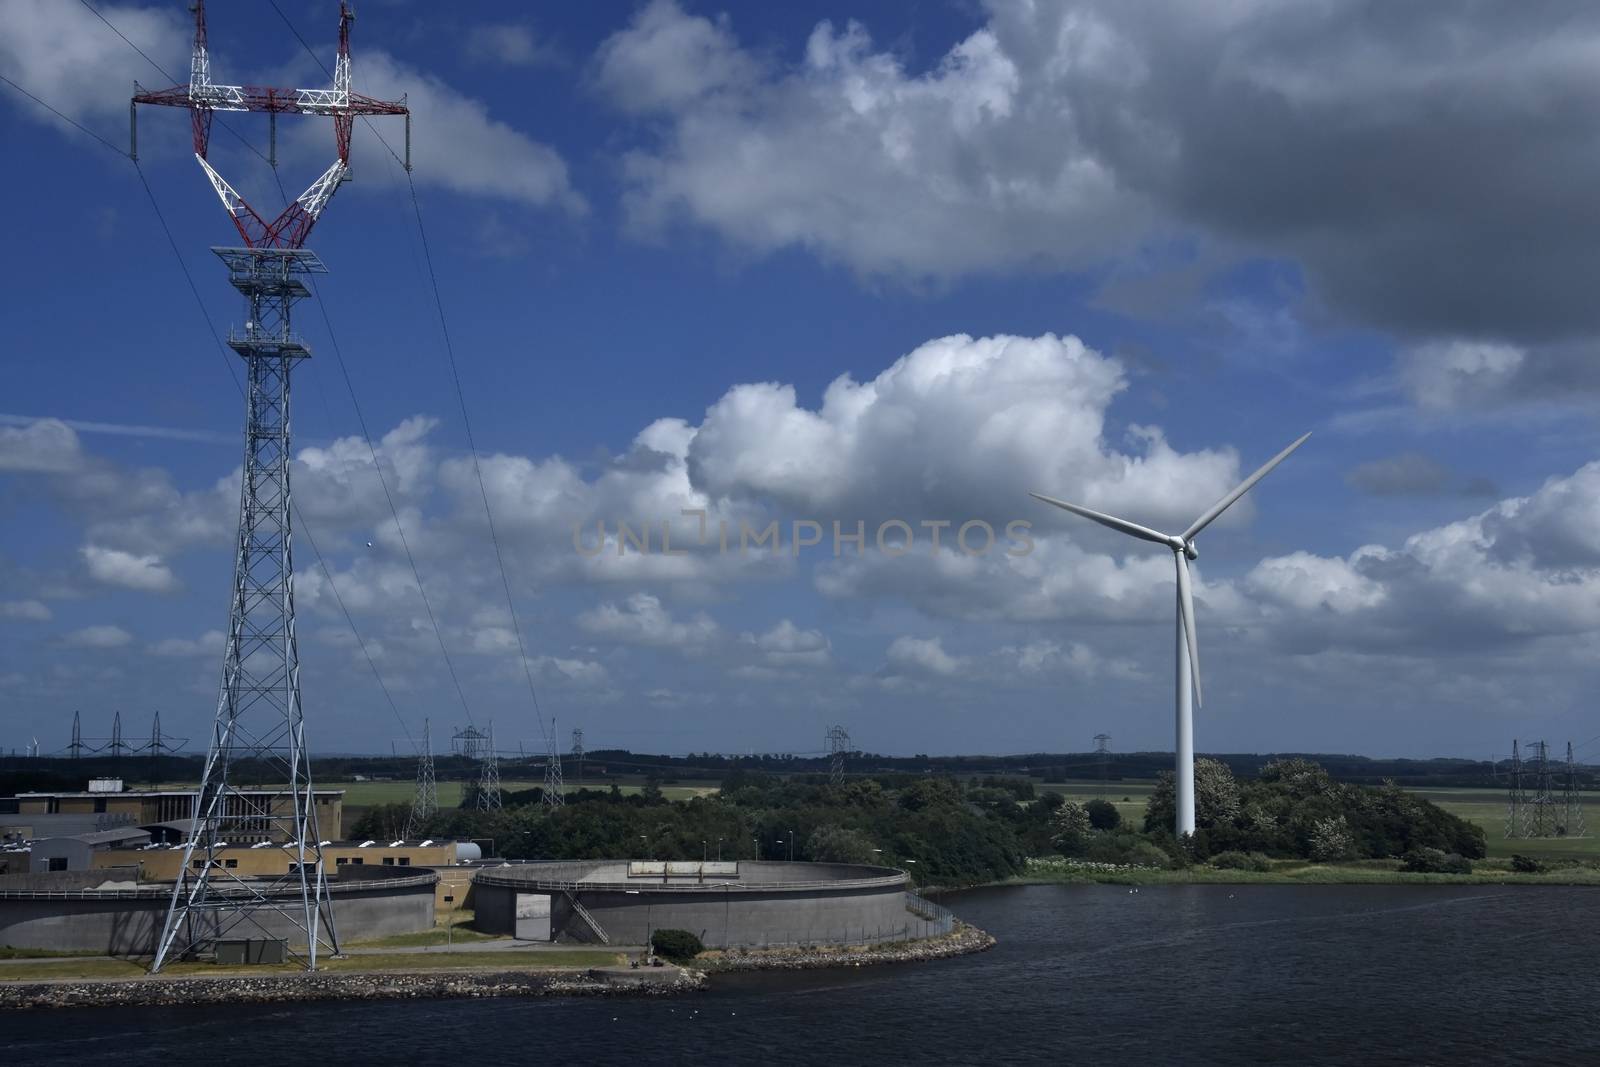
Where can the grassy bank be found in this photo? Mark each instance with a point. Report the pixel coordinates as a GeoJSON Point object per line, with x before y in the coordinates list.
{"type": "Point", "coordinates": [367, 963]}
{"type": "Point", "coordinates": [1295, 872]}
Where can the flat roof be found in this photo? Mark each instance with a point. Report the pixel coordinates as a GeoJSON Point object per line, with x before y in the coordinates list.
{"type": "Point", "coordinates": [100, 795]}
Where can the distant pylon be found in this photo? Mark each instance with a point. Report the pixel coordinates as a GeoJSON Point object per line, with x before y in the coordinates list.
{"type": "Point", "coordinates": [554, 792]}
{"type": "Point", "coordinates": [1516, 796]}
{"type": "Point", "coordinates": [117, 747]}
{"type": "Point", "coordinates": [75, 749]}
{"type": "Point", "coordinates": [1573, 798]}
{"type": "Point", "coordinates": [426, 800]}
{"type": "Point", "coordinates": [577, 753]}
{"type": "Point", "coordinates": [489, 798]}
{"type": "Point", "coordinates": [1102, 754]}
{"type": "Point", "coordinates": [838, 747]}
{"type": "Point", "coordinates": [1542, 810]}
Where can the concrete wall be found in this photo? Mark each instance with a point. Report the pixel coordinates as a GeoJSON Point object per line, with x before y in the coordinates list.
{"type": "Point", "coordinates": [64, 910]}
{"type": "Point", "coordinates": [815, 904]}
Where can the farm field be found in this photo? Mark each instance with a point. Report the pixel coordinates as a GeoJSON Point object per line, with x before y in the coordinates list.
{"type": "Point", "coordinates": [1485, 807]}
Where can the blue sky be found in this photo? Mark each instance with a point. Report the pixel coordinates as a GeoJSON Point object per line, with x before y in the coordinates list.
{"type": "Point", "coordinates": [1115, 253]}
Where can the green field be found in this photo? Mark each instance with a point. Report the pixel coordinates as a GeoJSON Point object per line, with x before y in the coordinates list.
{"type": "Point", "coordinates": [505, 960]}
{"type": "Point", "coordinates": [1485, 807]}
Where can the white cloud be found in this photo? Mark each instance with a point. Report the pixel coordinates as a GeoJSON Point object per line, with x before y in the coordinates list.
{"type": "Point", "coordinates": [509, 44]}
{"type": "Point", "coordinates": [1441, 375]}
{"type": "Point", "coordinates": [973, 165]}
{"type": "Point", "coordinates": [31, 610]}
{"type": "Point", "coordinates": [457, 145]}
{"type": "Point", "coordinates": [207, 644]}
{"type": "Point", "coordinates": [104, 636]}
{"type": "Point", "coordinates": [641, 620]}
{"type": "Point", "coordinates": [64, 54]}
{"type": "Point", "coordinates": [115, 567]}
{"type": "Point", "coordinates": [923, 654]}
{"type": "Point", "coordinates": [786, 645]}
{"type": "Point", "coordinates": [44, 446]}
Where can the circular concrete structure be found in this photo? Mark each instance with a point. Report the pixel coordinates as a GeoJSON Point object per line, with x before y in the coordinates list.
{"type": "Point", "coordinates": [735, 904]}
{"type": "Point", "coordinates": [107, 911]}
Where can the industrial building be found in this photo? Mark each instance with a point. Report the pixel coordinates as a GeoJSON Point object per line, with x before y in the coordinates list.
{"type": "Point", "coordinates": [253, 815]}
{"type": "Point", "coordinates": [726, 904]}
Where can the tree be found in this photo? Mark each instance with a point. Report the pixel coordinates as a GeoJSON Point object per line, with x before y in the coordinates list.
{"type": "Point", "coordinates": [676, 945]}
{"type": "Point", "coordinates": [835, 844]}
{"type": "Point", "coordinates": [1216, 797]}
{"type": "Point", "coordinates": [1071, 829]}
{"type": "Point", "coordinates": [1103, 815]}
{"type": "Point", "coordinates": [1331, 840]}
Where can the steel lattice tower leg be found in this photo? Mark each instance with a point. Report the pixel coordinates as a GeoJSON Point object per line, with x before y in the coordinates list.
{"type": "Point", "coordinates": [489, 797]}
{"type": "Point", "coordinates": [259, 733]}
{"type": "Point", "coordinates": [426, 801]}
{"type": "Point", "coordinates": [554, 793]}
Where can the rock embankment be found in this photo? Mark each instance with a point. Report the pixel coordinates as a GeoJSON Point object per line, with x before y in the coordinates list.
{"type": "Point", "coordinates": [156, 992]}
{"type": "Point", "coordinates": [961, 941]}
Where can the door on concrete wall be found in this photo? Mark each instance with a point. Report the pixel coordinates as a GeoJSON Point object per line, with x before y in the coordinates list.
{"type": "Point", "coordinates": [533, 917]}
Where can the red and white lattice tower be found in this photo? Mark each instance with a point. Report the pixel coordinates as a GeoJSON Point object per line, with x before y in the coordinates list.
{"type": "Point", "coordinates": [258, 737]}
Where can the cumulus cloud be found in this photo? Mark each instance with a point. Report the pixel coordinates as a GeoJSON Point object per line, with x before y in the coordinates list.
{"type": "Point", "coordinates": [509, 44]}
{"type": "Point", "coordinates": [30, 610]}
{"type": "Point", "coordinates": [964, 168]}
{"type": "Point", "coordinates": [66, 55]}
{"type": "Point", "coordinates": [146, 573]}
{"type": "Point", "coordinates": [1405, 474]}
{"type": "Point", "coordinates": [642, 620]}
{"type": "Point", "coordinates": [207, 644]}
{"type": "Point", "coordinates": [100, 637]}
{"type": "Point", "coordinates": [1085, 132]}
{"type": "Point", "coordinates": [923, 655]}
{"type": "Point", "coordinates": [786, 645]}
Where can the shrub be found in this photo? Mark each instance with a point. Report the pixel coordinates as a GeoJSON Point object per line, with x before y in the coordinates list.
{"type": "Point", "coordinates": [1526, 865]}
{"type": "Point", "coordinates": [1144, 854]}
{"type": "Point", "coordinates": [1070, 829]}
{"type": "Point", "coordinates": [1234, 860]}
{"type": "Point", "coordinates": [1103, 815]}
{"type": "Point", "coordinates": [676, 945]}
{"type": "Point", "coordinates": [1435, 861]}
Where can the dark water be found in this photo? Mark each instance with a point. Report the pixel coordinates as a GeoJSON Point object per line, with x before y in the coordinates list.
{"type": "Point", "coordinates": [1092, 974]}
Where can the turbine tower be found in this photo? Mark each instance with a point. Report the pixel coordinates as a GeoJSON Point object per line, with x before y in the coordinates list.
{"type": "Point", "coordinates": [1188, 648]}
{"type": "Point", "coordinates": [260, 724]}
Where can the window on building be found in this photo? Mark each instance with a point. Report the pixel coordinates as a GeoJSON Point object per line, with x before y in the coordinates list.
{"type": "Point", "coordinates": [405, 861]}
{"type": "Point", "coordinates": [341, 861]}
{"type": "Point", "coordinates": [358, 861]}
{"type": "Point", "coordinates": [99, 805]}
{"type": "Point", "coordinates": [448, 899]}
{"type": "Point", "coordinates": [58, 863]}
{"type": "Point", "coordinates": [230, 863]}
{"type": "Point", "coordinates": [53, 806]}
{"type": "Point", "coordinates": [388, 861]}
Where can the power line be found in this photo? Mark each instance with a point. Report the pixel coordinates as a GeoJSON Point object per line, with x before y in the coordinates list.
{"type": "Point", "coordinates": [70, 122]}
{"type": "Point", "coordinates": [455, 375]}
{"type": "Point", "coordinates": [233, 375]}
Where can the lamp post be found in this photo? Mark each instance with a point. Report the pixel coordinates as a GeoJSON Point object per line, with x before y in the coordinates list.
{"type": "Point", "coordinates": [703, 851]}
{"type": "Point", "coordinates": [791, 846]}
{"type": "Point", "coordinates": [719, 849]}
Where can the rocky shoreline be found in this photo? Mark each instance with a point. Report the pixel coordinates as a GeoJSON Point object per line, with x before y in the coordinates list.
{"type": "Point", "coordinates": [166, 992]}
{"type": "Point", "coordinates": [401, 985]}
{"type": "Point", "coordinates": [962, 941]}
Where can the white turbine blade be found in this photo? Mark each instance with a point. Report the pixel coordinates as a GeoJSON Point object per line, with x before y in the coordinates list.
{"type": "Point", "coordinates": [1244, 487]}
{"type": "Point", "coordinates": [1186, 609]}
{"type": "Point", "coordinates": [1120, 525]}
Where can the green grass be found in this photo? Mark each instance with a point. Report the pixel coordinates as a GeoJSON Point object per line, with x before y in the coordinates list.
{"type": "Point", "coordinates": [438, 936]}
{"type": "Point", "coordinates": [1487, 808]}
{"type": "Point", "coordinates": [509, 960]}
{"type": "Point", "coordinates": [9, 952]}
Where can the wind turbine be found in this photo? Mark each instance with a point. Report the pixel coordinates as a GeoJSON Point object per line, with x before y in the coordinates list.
{"type": "Point", "coordinates": [1188, 652]}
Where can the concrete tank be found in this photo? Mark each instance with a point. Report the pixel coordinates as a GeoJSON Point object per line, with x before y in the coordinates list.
{"type": "Point", "coordinates": [736, 904]}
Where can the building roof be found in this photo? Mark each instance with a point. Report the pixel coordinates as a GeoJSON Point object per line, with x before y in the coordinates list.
{"type": "Point", "coordinates": [162, 793]}
{"type": "Point", "coordinates": [105, 838]}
